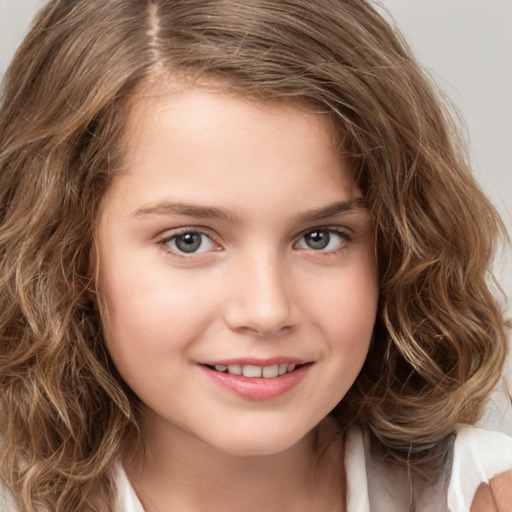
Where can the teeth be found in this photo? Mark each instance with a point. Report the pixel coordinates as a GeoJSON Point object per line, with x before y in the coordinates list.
{"type": "Point", "coordinates": [269, 372]}
{"type": "Point", "coordinates": [251, 371]}
{"type": "Point", "coordinates": [283, 368]}
{"type": "Point", "coordinates": [248, 370]}
{"type": "Point", "coordinates": [235, 369]}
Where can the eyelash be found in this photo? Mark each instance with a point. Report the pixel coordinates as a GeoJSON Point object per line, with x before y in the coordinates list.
{"type": "Point", "coordinates": [345, 238]}
{"type": "Point", "coordinates": [180, 233]}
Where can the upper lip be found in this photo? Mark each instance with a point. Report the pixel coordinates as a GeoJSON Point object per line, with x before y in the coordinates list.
{"type": "Point", "coordinates": [257, 361]}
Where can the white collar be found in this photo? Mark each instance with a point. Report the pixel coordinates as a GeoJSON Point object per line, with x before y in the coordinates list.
{"type": "Point", "coordinates": [478, 456]}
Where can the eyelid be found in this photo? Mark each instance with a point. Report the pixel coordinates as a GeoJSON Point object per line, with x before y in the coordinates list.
{"type": "Point", "coordinates": [173, 233]}
{"type": "Point", "coordinates": [344, 233]}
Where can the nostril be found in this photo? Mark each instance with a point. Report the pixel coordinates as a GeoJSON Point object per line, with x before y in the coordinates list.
{"type": "Point", "coordinates": [266, 333]}
{"type": "Point", "coordinates": [263, 306]}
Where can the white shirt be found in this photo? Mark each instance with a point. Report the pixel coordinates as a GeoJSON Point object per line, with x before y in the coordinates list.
{"type": "Point", "coordinates": [478, 456]}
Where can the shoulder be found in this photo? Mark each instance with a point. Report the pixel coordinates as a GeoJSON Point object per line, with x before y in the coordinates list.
{"type": "Point", "coordinates": [494, 496]}
{"type": "Point", "coordinates": [482, 467]}
{"type": "Point", "coordinates": [477, 477]}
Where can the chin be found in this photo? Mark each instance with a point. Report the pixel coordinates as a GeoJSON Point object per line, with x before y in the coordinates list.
{"type": "Point", "coordinates": [263, 444]}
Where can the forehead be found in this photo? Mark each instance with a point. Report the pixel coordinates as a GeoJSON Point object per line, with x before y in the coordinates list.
{"type": "Point", "coordinates": [194, 93]}
{"type": "Point", "coordinates": [184, 141]}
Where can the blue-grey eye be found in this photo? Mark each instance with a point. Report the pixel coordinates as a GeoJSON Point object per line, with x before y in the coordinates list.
{"type": "Point", "coordinates": [191, 242]}
{"type": "Point", "coordinates": [321, 240]}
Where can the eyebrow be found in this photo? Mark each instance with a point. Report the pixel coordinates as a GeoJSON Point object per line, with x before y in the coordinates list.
{"type": "Point", "coordinates": [187, 209]}
{"type": "Point", "coordinates": [337, 208]}
{"type": "Point", "coordinates": [220, 213]}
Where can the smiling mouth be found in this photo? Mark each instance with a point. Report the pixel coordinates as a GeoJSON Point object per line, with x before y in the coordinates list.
{"type": "Point", "coordinates": [253, 371]}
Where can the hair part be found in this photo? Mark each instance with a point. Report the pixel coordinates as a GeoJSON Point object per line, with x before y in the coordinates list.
{"type": "Point", "coordinates": [439, 341]}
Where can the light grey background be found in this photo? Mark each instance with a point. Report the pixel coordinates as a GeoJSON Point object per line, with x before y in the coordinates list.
{"type": "Point", "coordinates": [466, 46]}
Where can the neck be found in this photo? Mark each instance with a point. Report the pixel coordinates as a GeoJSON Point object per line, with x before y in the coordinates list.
{"type": "Point", "coordinates": [186, 474]}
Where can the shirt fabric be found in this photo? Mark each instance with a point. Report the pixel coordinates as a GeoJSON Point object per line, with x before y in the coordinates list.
{"type": "Point", "coordinates": [478, 456]}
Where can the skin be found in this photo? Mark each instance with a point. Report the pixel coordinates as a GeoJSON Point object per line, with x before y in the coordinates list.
{"type": "Point", "coordinates": [496, 496]}
{"type": "Point", "coordinates": [254, 288]}
{"type": "Point", "coordinates": [258, 179]}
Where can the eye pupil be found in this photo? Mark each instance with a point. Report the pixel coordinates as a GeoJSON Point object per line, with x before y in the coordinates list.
{"type": "Point", "coordinates": [317, 239]}
{"type": "Point", "coordinates": [188, 242]}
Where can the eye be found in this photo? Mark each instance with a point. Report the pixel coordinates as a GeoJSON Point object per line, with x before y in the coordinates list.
{"type": "Point", "coordinates": [323, 239]}
{"type": "Point", "coordinates": [189, 242]}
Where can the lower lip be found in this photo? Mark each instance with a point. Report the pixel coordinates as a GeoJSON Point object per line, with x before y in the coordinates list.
{"type": "Point", "coordinates": [257, 388]}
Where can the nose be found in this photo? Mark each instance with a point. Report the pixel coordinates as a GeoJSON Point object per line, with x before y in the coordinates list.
{"type": "Point", "coordinates": [261, 299]}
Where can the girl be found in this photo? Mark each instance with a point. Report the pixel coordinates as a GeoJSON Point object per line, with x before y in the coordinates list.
{"type": "Point", "coordinates": [244, 266]}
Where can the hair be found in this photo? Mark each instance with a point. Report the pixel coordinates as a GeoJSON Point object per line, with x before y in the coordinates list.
{"type": "Point", "coordinates": [439, 339]}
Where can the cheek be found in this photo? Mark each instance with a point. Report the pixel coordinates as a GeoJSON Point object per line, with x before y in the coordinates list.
{"type": "Point", "coordinates": [347, 311]}
{"type": "Point", "coordinates": [344, 316]}
{"type": "Point", "coordinates": [149, 320]}
{"type": "Point", "coordinates": [348, 301]}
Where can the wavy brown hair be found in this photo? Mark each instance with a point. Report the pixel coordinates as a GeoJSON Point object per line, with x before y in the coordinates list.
{"type": "Point", "coordinates": [439, 340]}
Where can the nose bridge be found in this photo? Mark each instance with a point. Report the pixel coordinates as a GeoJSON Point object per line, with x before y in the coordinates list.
{"type": "Point", "coordinates": [261, 300]}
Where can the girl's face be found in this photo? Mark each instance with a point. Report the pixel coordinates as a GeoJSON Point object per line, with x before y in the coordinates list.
{"type": "Point", "coordinates": [235, 243]}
